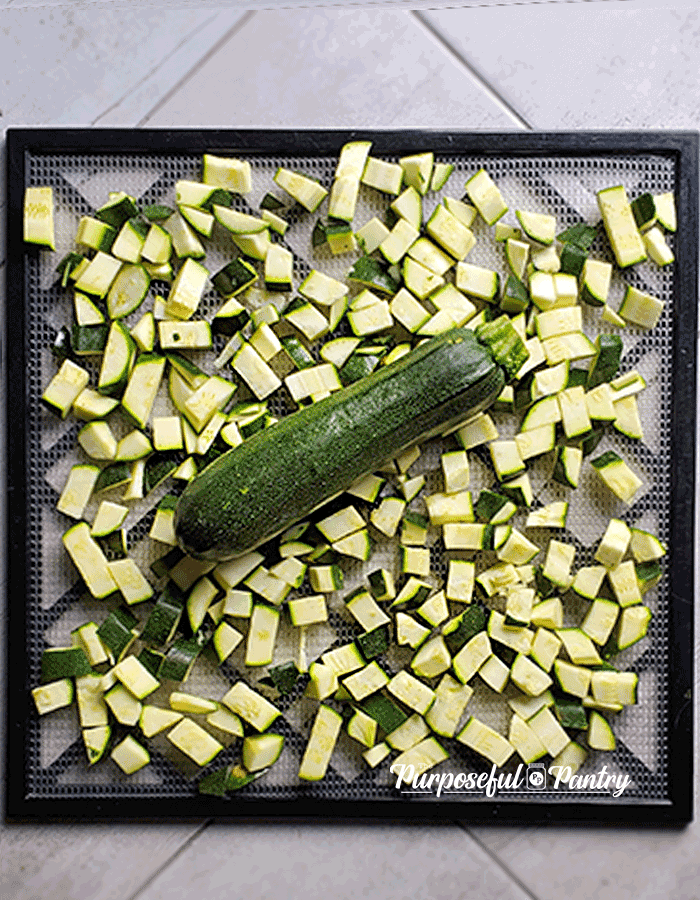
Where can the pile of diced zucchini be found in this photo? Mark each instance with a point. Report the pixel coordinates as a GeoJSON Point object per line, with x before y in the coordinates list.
{"type": "Point", "coordinates": [138, 284]}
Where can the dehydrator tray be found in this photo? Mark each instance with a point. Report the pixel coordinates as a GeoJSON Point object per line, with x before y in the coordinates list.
{"type": "Point", "coordinates": [47, 774]}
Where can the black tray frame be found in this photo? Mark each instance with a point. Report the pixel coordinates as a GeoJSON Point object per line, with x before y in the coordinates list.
{"type": "Point", "coordinates": [683, 147]}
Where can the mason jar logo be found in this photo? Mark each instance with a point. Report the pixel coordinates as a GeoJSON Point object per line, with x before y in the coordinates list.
{"type": "Point", "coordinates": [536, 777]}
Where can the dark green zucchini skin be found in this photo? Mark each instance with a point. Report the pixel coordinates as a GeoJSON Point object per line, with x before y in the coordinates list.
{"type": "Point", "coordinates": [282, 473]}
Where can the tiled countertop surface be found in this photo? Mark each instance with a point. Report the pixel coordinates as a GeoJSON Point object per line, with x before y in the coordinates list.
{"type": "Point", "coordinates": [537, 66]}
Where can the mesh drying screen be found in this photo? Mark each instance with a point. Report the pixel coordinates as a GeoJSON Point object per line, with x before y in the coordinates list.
{"type": "Point", "coordinates": [56, 603]}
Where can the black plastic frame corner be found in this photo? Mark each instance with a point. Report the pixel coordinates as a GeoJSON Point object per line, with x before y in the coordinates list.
{"type": "Point", "coordinates": [683, 147]}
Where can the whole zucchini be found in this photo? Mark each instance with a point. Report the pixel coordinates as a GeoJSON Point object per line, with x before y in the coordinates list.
{"type": "Point", "coordinates": [282, 473]}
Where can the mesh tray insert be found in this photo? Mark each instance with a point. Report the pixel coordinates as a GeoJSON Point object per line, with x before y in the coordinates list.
{"type": "Point", "coordinates": [55, 766]}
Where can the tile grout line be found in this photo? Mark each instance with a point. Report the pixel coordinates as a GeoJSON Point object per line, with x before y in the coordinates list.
{"type": "Point", "coordinates": [493, 856]}
{"type": "Point", "coordinates": [238, 26]}
{"type": "Point", "coordinates": [153, 70]}
{"type": "Point", "coordinates": [504, 104]}
{"type": "Point", "coordinates": [335, 4]}
{"type": "Point", "coordinates": [171, 859]}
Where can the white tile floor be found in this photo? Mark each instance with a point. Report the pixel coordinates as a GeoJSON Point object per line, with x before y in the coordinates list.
{"type": "Point", "coordinates": [549, 66]}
